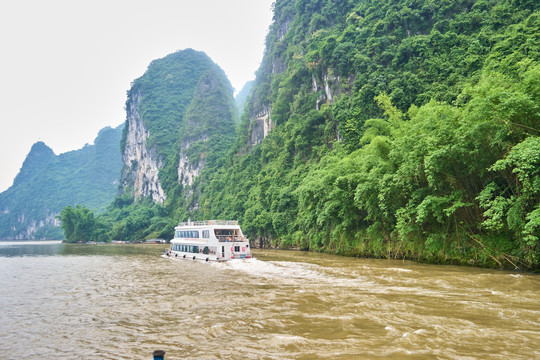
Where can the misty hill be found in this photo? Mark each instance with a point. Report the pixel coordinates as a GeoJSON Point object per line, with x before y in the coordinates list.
{"type": "Point", "coordinates": [47, 182]}
{"type": "Point", "coordinates": [242, 96]}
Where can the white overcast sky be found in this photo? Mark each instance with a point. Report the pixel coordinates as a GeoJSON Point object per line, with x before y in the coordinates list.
{"type": "Point", "coordinates": [65, 65]}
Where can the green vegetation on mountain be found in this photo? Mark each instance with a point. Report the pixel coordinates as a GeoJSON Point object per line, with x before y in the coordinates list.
{"type": "Point", "coordinates": [427, 149]}
{"type": "Point", "coordinates": [49, 182]}
{"type": "Point", "coordinates": [210, 122]}
{"type": "Point", "coordinates": [167, 88]}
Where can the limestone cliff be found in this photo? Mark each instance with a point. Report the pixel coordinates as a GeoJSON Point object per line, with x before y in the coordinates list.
{"type": "Point", "coordinates": [324, 82]}
{"type": "Point", "coordinates": [141, 164]}
{"type": "Point", "coordinates": [209, 125]}
{"type": "Point", "coordinates": [261, 124]}
{"type": "Point", "coordinates": [174, 113]}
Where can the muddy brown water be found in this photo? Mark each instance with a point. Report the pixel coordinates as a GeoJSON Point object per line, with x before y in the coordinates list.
{"type": "Point", "coordinates": [125, 301]}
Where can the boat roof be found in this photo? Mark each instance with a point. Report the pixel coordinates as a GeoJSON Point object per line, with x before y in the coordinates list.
{"type": "Point", "coordinates": [208, 223]}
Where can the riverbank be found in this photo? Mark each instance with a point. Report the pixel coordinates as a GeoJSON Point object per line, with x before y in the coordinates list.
{"type": "Point", "coordinates": [467, 251]}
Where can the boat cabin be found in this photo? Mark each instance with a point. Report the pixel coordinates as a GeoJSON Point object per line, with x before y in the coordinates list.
{"type": "Point", "coordinates": [217, 240]}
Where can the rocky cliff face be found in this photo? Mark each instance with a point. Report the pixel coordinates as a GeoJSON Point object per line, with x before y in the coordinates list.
{"type": "Point", "coordinates": [276, 65]}
{"type": "Point", "coordinates": [273, 64]}
{"type": "Point", "coordinates": [209, 125]}
{"type": "Point", "coordinates": [187, 171]}
{"type": "Point", "coordinates": [178, 115]}
{"type": "Point", "coordinates": [141, 164]}
{"type": "Point", "coordinates": [261, 125]}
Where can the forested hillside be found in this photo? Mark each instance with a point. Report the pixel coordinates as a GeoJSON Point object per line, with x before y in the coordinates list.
{"type": "Point", "coordinates": [402, 129]}
{"type": "Point", "coordinates": [47, 182]}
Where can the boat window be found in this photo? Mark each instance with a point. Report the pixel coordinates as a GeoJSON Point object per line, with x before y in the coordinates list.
{"type": "Point", "coordinates": [193, 234]}
{"type": "Point", "coordinates": [237, 248]}
{"type": "Point", "coordinates": [206, 234]}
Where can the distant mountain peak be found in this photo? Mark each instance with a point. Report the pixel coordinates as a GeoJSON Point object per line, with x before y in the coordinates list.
{"type": "Point", "coordinates": [37, 159]}
{"type": "Point", "coordinates": [40, 148]}
{"type": "Point", "coordinates": [48, 182]}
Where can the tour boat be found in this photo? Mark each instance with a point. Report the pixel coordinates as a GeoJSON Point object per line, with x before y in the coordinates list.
{"type": "Point", "coordinates": [217, 240]}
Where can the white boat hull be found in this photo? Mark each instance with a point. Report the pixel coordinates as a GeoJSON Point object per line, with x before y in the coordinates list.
{"type": "Point", "coordinates": [190, 256]}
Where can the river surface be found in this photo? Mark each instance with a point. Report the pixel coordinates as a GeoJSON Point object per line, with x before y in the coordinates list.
{"type": "Point", "coordinates": [125, 301]}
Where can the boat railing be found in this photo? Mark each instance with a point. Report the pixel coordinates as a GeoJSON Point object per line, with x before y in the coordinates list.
{"type": "Point", "coordinates": [208, 222]}
{"type": "Point", "coordinates": [230, 238]}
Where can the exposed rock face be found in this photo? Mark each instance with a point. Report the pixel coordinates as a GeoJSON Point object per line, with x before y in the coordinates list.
{"type": "Point", "coordinates": [29, 228]}
{"type": "Point", "coordinates": [188, 170]}
{"type": "Point", "coordinates": [273, 64]}
{"type": "Point", "coordinates": [209, 124]}
{"type": "Point", "coordinates": [327, 91]}
{"type": "Point", "coordinates": [326, 82]}
{"type": "Point", "coordinates": [261, 125]}
{"type": "Point", "coordinates": [141, 165]}
{"type": "Point", "coordinates": [179, 113]}
{"type": "Point", "coordinates": [278, 66]}
{"type": "Point", "coordinates": [284, 27]}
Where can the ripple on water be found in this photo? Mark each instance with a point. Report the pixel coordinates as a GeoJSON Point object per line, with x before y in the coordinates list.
{"type": "Point", "coordinates": [280, 305]}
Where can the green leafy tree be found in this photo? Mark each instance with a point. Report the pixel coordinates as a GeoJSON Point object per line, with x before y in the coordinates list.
{"type": "Point", "coordinates": [79, 224]}
{"type": "Point", "coordinates": [512, 200]}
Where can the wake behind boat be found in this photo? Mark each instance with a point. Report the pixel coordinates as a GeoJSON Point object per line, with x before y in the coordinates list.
{"type": "Point", "coordinates": [217, 240]}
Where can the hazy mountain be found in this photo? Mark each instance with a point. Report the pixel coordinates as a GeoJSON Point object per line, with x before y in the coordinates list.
{"type": "Point", "coordinates": [48, 182]}
{"type": "Point", "coordinates": [243, 95]}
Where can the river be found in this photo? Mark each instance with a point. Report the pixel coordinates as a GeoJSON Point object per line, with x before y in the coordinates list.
{"type": "Point", "coordinates": [125, 301]}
